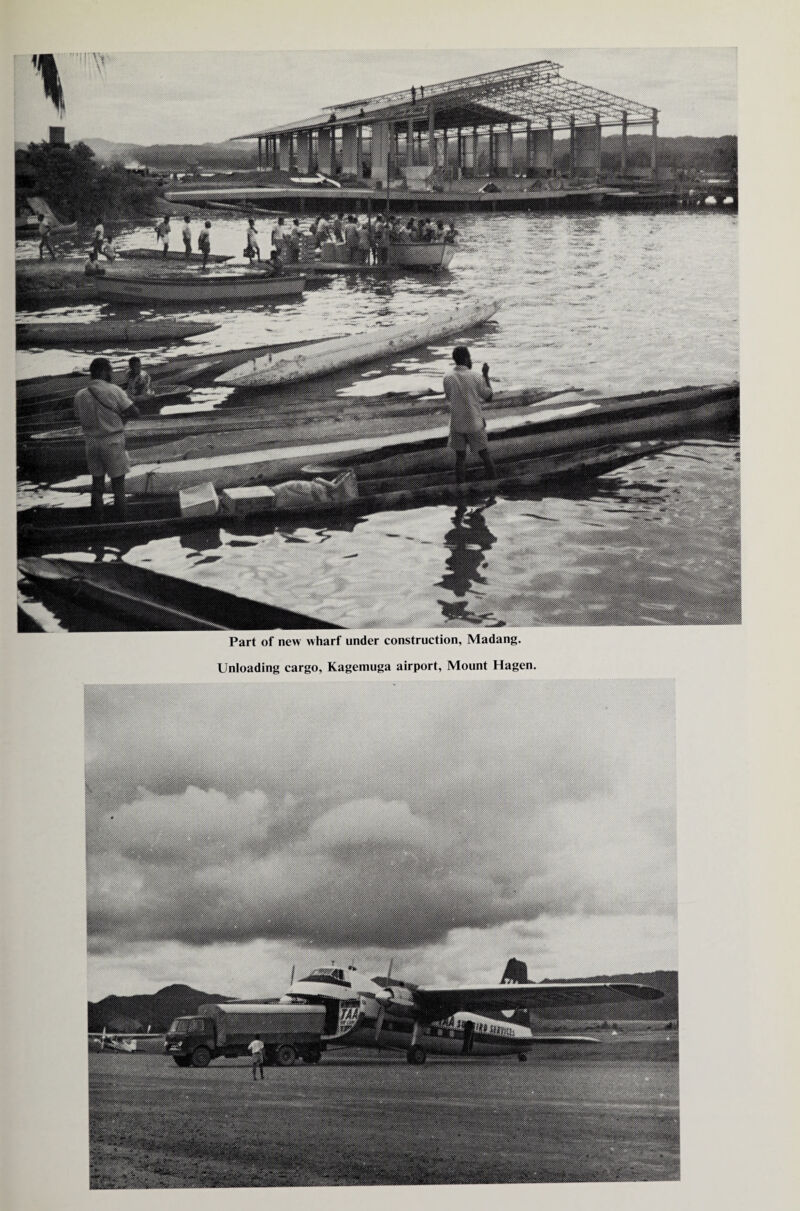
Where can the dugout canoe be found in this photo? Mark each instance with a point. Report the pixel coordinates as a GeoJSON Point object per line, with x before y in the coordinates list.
{"type": "Point", "coordinates": [47, 390]}
{"type": "Point", "coordinates": [174, 255]}
{"type": "Point", "coordinates": [324, 357]}
{"type": "Point", "coordinates": [168, 437]}
{"type": "Point", "coordinates": [197, 288]}
{"type": "Point", "coordinates": [567, 426]}
{"type": "Point", "coordinates": [60, 421]}
{"type": "Point", "coordinates": [148, 600]}
{"type": "Point", "coordinates": [150, 517]}
{"type": "Point", "coordinates": [107, 332]}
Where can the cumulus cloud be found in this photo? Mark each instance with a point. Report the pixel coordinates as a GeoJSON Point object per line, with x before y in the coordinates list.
{"type": "Point", "coordinates": [245, 817]}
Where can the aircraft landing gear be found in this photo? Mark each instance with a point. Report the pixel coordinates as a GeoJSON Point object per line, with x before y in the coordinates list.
{"type": "Point", "coordinates": [415, 1055]}
{"type": "Point", "coordinates": [523, 1057]}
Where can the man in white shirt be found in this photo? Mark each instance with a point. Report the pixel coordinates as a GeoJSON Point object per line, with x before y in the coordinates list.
{"type": "Point", "coordinates": [465, 390]}
{"type": "Point", "coordinates": [103, 409]}
{"type": "Point", "coordinates": [186, 232]}
{"type": "Point", "coordinates": [256, 1049]}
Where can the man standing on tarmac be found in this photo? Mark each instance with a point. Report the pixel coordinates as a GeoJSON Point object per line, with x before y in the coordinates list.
{"type": "Point", "coordinates": [256, 1049]}
{"type": "Point", "coordinates": [103, 409]}
{"type": "Point", "coordinates": [466, 390]}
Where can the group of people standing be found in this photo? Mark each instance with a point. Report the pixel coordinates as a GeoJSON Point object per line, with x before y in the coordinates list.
{"type": "Point", "coordinates": [364, 242]}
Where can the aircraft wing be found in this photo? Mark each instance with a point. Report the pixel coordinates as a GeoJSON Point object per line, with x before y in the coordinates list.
{"type": "Point", "coordinates": [440, 1002]}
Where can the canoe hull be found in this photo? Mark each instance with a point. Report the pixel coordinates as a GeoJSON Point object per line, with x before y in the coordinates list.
{"type": "Point", "coordinates": [104, 332]}
{"type": "Point", "coordinates": [197, 289]}
{"type": "Point", "coordinates": [324, 357]}
{"type": "Point", "coordinates": [558, 430]}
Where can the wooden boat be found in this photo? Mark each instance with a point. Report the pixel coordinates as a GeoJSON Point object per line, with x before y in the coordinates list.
{"type": "Point", "coordinates": [107, 332]}
{"type": "Point", "coordinates": [48, 390]}
{"type": "Point", "coordinates": [323, 357]}
{"type": "Point", "coordinates": [420, 254]}
{"type": "Point", "coordinates": [151, 517]}
{"type": "Point", "coordinates": [168, 437]}
{"type": "Point", "coordinates": [61, 420]}
{"type": "Point", "coordinates": [147, 600]}
{"type": "Point", "coordinates": [197, 288]}
{"type": "Point", "coordinates": [565, 427]}
{"type": "Point", "coordinates": [157, 254]}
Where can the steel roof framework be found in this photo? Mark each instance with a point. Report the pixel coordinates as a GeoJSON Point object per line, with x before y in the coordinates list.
{"type": "Point", "coordinates": [533, 92]}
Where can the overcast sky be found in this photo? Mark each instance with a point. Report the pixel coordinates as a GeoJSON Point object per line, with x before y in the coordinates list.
{"type": "Point", "coordinates": [235, 831]}
{"type": "Point", "coordinates": [196, 97]}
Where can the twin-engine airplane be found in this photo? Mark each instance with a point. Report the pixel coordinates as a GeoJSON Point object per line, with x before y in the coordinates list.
{"type": "Point", "coordinates": [473, 1020]}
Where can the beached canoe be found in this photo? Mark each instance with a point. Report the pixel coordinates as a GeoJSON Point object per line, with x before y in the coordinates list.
{"type": "Point", "coordinates": [565, 427]}
{"type": "Point", "coordinates": [148, 600]}
{"type": "Point", "coordinates": [323, 357]}
{"type": "Point", "coordinates": [62, 417]}
{"type": "Point", "coordinates": [107, 332]}
{"type": "Point", "coordinates": [149, 517]}
{"type": "Point", "coordinates": [196, 287]}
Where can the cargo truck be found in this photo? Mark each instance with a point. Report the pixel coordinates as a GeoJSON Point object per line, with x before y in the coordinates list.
{"type": "Point", "coordinates": [288, 1032]}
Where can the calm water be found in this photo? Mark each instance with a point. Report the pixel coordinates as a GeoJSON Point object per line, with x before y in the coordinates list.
{"type": "Point", "coordinates": [612, 303]}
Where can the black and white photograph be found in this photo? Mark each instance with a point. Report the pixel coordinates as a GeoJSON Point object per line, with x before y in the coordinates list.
{"type": "Point", "coordinates": [385, 935]}
{"type": "Point", "coordinates": [377, 338]}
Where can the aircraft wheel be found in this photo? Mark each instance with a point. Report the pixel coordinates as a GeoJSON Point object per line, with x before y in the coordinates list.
{"type": "Point", "coordinates": [201, 1057]}
{"type": "Point", "coordinates": [523, 1057]}
{"type": "Point", "coordinates": [285, 1055]}
{"type": "Point", "coordinates": [416, 1055]}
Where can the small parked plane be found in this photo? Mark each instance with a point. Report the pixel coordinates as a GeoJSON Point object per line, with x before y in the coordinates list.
{"type": "Point", "coordinates": [118, 1041]}
{"type": "Point", "coordinates": [473, 1020]}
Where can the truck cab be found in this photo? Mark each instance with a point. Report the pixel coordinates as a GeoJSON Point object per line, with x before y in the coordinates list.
{"type": "Point", "coordinates": [191, 1037]}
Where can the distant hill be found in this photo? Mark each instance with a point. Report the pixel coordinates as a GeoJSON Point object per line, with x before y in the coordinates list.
{"type": "Point", "coordinates": [156, 1011]}
{"type": "Point", "coordinates": [177, 157]}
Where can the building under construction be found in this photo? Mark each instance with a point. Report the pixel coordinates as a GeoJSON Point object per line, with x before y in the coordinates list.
{"type": "Point", "coordinates": [496, 124]}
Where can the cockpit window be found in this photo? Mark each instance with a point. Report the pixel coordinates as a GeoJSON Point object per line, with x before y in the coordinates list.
{"type": "Point", "coordinates": [329, 975]}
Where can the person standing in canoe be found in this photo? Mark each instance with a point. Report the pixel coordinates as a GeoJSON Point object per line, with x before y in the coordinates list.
{"type": "Point", "coordinates": [253, 248]}
{"type": "Point", "coordinates": [103, 409]}
{"type": "Point", "coordinates": [466, 390]}
{"type": "Point", "coordinates": [186, 232]}
{"type": "Point", "coordinates": [163, 231]}
{"type": "Point", "coordinates": [99, 237]}
{"type": "Point", "coordinates": [204, 243]}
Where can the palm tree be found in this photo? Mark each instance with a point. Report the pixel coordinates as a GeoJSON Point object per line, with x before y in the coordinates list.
{"type": "Point", "coordinates": [47, 68]}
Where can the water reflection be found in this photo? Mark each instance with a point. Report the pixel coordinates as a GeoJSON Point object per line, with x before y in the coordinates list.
{"type": "Point", "coordinates": [467, 542]}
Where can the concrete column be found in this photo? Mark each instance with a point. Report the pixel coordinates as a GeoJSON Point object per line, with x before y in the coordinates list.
{"type": "Point", "coordinates": [360, 150]}
{"type": "Point", "coordinates": [409, 142]}
{"type": "Point", "coordinates": [551, 139]}
{"type": "Point", "coordinates": [599, 136]}
{"type": "Point", "coordinates": [528, 146]}
{"type": "Point", "coordinates": [325, 150]}
{"type": "Point", "coordinates": [623, 155]}
{"type": "Point", "coordinates": [510, 151]}
{"type": "Point", "coordinates": [431, 136]}
{"type": "Point", "coordinates": [654, 146]}
{"type": "Point", "coordinates": [572, 146]}
{"type": "Point", "coordinates": [491, 150]}
{"type": "Point", "coordinates": [380, 150]}
{"type": "Point", "coordinates": [444, 149]}
{"type": "Point", "coordinates": [474, 151]}
{"type": "Point", "coordinates": [304, 151]}
{"type": "Point", "coordinates": [286, 153]}
{"type": "Point", "coordinates": [259, 153]}
{"type": "Point", "coordinates": [459, 154]}
{"type": "Point", "coordinates": [349, 150]}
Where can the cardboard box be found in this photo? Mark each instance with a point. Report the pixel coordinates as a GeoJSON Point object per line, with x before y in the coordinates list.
{"type": "Point", "coordinates": [240, 502]}
{"type": "Point", "coordinates": [199, 501]}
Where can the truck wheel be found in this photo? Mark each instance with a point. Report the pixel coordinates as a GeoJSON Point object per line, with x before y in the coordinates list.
{"type": "Point", "coordinates": [182, 1061]}
{"type": "Point", "coordinates": [285, 1055]}
{"type": "Point", "coordinates": [415, 1055]}
{"type": "Point", "coordinates": [201, 1057]}
{"type": "Point", "coordinates": [523, 1057]}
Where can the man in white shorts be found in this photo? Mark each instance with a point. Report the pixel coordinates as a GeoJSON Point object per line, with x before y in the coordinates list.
{"type": "Point", "coordinates": [103, 409]}
{"type": "Point", "coordinates": [256, 1049]}
{"type": "Point", "coordinates": [466, 390]}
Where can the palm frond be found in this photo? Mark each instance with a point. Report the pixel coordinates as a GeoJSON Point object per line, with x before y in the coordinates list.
{"type": "Point", "coordinates": [47, 69]}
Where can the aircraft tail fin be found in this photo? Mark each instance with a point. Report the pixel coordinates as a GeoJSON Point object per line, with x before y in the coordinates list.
{"type": "Point", "coordinates": [516, 972]}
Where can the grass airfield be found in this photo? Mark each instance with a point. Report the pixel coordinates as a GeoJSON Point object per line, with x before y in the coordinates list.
{"type": "Point", "coordinates": [596, 1113]}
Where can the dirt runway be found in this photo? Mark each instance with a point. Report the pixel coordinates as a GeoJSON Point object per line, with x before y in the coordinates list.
{"type": "Point", "coordinates": [606, 1112]}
